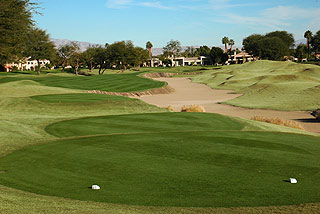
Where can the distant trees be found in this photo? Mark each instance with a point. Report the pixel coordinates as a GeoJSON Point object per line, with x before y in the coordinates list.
{"type": "Point", "coordinates": [190, 52]}
{"type": "Point", "coordinates": [203, 51]}
{"type": "Point", "coordinates": [225, 41]}
{"type": "Point", "coordinates": [149, 47]}
{"type": "Point", "coordinates": [173, 48]}
{"type": "Point", "coordinates": [308, 36]}
{"type": "Point", "coordinates": [64, 55]}
{"type": "Point", "coordinates": [315, 42]}
{"type": "Point", "coordinates": [301, 52]}
{"type": "Point", "coordinates": [120, 55]}
{"type": "Point", "coordinates": [101, 58]}
{"type": "Point", "coordinates": [231, 43]}
{"type": "Point", "coordinates": [273, 46]}
{"type": "Point", "coordinates": [89, 58]}
{"type": "Point", "coordinates": [217, 56]}
{"type": "Point", "coordinates": [286, 38]}
{"type": "Point", "coordinates": [15, 22]}
{"type": "Point", "coordinates": [38, 46]}
{"type": "Point", "coordinates": [250, 44]}
{"type": "Point", "coordinates": [75, 57]}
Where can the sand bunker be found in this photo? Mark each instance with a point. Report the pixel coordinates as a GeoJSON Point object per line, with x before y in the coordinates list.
{"type": "Point", "coordinates": [189, 93]}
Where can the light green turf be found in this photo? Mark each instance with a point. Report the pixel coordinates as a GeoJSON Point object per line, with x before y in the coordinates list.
{"type": "Point", "coordinates": [268, 84]}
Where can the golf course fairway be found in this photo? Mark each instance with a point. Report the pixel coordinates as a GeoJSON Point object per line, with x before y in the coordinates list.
{"type": "Point", "coordinates": [168, 159]}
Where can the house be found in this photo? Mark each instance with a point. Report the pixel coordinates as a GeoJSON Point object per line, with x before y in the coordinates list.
{"type": "Point", "coordinates": [240, 58]}
{"type": "Point", "coordinates": [154, 62]}
{"type": "Point", "coordinates": [26, 64]}
{"type": "Point", "coordinates": [187, 61]}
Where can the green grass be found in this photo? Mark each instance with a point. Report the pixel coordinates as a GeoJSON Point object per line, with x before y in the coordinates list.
{"type": "Point", "coordinates": [27, 107]}
{"type": "Point", "coordinates": [268, 84]}
{"type": "Point", "coordinates": [141, 123]}
{"type": "Point", "coordinates": [113, 82]}
{"type": "Point", "coordinates": [168, 159]}
{"type": "Point", "coordinates": [79, 98]}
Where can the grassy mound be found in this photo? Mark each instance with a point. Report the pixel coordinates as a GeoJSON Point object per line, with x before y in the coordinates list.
{"type": "Point", "coordinates": [112, 82]}
{"type": "Point", "coordinates": [168, 159]}
{"type": "Point", "coordinates": [269, 85]}
{"type": "Point", "coordinates": [142, 123]}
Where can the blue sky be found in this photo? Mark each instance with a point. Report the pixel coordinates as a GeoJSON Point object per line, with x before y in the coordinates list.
{"type": "Point", "coordinates": [192, 22]}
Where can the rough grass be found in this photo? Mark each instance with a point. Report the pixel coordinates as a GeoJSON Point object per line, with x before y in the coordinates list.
{"type": "Point", "coordinates": [268, 84]}
{"type": "Point", "coordinates": [279, 121]}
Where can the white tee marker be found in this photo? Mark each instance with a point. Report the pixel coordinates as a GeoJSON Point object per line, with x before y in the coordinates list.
{"type": "Point", "coordinates": [293, 181]}
{"type": "Point", "coordinates": [95, 187]}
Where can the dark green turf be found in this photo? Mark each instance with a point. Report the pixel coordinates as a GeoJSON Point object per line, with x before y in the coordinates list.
{"type": "Point", "coordinates": [176, 159]}
{"type": "Point", "coordinates": [79, 98]}
{"type": "Point", "coordinates": [158, 122]}
{"type": "Point", "coordinates": [112, 82]}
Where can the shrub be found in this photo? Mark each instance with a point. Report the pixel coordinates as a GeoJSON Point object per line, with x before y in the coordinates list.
{"type": "Point", "coordinates": [279, 121]}
{"type": "Point", "coordinates": [316, 114]}
{"type": "Point", "coordinates": [193, 108]}
{"type": "Point", "coordinates": [170, 108]}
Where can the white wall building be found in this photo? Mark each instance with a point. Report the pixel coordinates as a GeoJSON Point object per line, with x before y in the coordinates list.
{"type": "Point", "coordinates": [184, 61]}
{"type": "Point", "coordinates": [27, 64]}
{"type": "Point", "coordinates": [240, 58]}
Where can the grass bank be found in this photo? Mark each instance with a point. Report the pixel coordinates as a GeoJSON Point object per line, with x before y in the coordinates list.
{"type": "Point", "coordinates": [268, 84]}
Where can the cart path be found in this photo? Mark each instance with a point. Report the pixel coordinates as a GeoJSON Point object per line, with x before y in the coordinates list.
{"type": "Point", "coordinates": [189, 93]}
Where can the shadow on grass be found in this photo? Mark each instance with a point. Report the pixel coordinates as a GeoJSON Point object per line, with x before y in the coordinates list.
{"type": "Point", "coordinates": [309, 120]}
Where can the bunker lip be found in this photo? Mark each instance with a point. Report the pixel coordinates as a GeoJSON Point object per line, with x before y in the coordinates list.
{"type": "Point", "coordinates": [164, 90]}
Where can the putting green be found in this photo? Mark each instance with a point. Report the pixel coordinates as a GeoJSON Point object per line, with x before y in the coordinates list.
{"type": "Point", "coordinates": [202, 161]}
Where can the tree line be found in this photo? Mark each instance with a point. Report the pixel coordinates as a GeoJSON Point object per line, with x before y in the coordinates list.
{"type": "Point", "coordinates": [119, 55]}
{"type": "Point", "coordinates": [19, 38]}
{"type": "Point", "coordinates": [275, 45]}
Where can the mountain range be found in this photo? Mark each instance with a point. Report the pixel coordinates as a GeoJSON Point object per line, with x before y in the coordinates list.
{"type": "Point", "coordinates": [155, 51]}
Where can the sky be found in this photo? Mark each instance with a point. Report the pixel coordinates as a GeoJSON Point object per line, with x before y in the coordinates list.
{"type": "Point", "coordinates": [192, 22]}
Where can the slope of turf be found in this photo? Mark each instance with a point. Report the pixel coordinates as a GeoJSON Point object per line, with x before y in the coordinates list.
{"type": "Point", "coordinates": [141, 123]}
{"type": "Point", "coordinates": [269, 84]}
{"type": "Point", "coordinates": [112, 82]}
{"type": "Point", "coordinates": [78, 98]}
{"type": "Point", "coordinates": [168, 160]}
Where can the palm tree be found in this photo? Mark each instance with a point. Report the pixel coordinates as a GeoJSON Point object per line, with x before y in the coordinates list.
{"type": "Point", "coordinates": [231, 43]}
{"type": "Point", "coordinates": [225, 41]}
{"type": "Point", "coordinates": [308, 36]}
{"type": "Point", "coordinates": [149, 46]}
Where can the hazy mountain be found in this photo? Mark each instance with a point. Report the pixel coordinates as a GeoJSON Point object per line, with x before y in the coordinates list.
{"type": "Point", "coordinates": [159, 51]}
{"type": "Point", "coordinates": [300, 41]}
{"type": "Point", "coordinates": [83, 45]}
